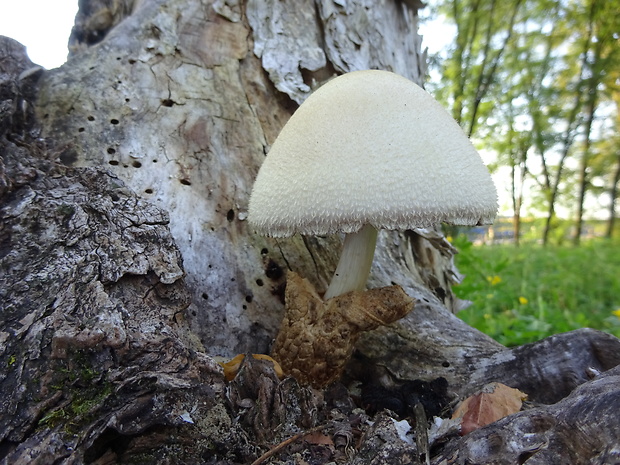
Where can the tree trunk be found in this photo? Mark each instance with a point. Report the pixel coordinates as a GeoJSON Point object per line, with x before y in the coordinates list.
{"type": "Point", "coordinates": [590, 104]}
{"type": "Point", "coordinates": [184, 112]}
{"type": "Point", "coordinates": [613, 200]}
{"type": "Point", "coordinates": [517, 190]}
{"type": "Point", "coordinates": [127, 264]}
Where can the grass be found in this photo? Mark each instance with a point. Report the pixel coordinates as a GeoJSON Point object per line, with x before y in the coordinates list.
{"type": "Point", "coordinates": [524, 294]}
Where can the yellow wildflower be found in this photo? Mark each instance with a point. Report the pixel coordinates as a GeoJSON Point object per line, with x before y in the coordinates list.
{"type": "Point", "coordinates": [616, 312]}
{"type": "Point", "coordinates": [523, 300]}
{"type": "Point", "coordinates": [493, 280]}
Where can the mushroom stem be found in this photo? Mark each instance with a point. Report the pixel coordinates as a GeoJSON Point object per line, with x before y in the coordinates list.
{"type": "Point", "coordinates": [353, 268]}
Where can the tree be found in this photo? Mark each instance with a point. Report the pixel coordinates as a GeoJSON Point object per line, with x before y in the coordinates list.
{"type": "Point", "coordinates": [602, 58]}
{"type": "Point", "coordinates": [512, 142]}
{"type": "Point", "coordinates": [127, 266]}
{"type": "Point", "coordinates": [481, 40]}
{"type": "Point", "coordinates": [518, 144]}
{"type": "Point", "coordinates": [571, 52]}
{"type": "Point", "coordinates": [613, 197]}
{"type": "Point", "coordinates": [526, 101]}
{"type": "Point", "coordinates": [611, 147]}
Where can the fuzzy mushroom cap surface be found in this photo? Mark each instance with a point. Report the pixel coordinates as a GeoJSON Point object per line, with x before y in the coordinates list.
{"type": "Point", "coordinates": [370, 147]}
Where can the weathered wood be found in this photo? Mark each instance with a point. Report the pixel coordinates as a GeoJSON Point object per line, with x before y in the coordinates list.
{"type": "Point", "coordinates": [581, 428]}
{"type": "Point", "coordinates": [92, 307]}
{"type": "Point", "coordinates": [547, 370]}
{"type": "Point", "coordinates": [176, 101]}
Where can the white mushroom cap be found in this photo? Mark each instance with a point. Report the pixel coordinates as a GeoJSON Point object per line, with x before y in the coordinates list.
{"type": "Point", "coordinates": [370, 147]}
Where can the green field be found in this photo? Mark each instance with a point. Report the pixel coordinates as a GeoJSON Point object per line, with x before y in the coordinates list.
{"type": "Point", "coordinates": [524, 294]}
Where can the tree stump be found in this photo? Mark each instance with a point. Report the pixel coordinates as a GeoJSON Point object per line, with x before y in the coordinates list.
{"type": "Point", "coordinates": [126, 264]}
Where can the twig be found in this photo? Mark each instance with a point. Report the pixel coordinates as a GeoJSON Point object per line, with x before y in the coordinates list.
{"type": "Point", "coordinates": [277, 448]}
{"type": "Point", "coordinates": [421, 432]}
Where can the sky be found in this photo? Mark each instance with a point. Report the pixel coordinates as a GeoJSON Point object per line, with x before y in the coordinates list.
{"type": "Point", "coordinates": [43, 26]}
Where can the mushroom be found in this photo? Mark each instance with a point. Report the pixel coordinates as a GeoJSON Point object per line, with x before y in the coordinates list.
{"type": "Point", "coordinates": [369, 150]}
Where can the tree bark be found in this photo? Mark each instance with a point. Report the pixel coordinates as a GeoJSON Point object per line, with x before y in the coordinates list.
{"type": "Point", "coordinates": [181, 101]}
{"type": "Point", "coordinates": [127, 265]}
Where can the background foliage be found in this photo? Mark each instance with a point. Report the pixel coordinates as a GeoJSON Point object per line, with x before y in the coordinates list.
{"type": "Point", "coordinates": [538, 83]}
{"type": "Point", "coordinates": [520, 295]}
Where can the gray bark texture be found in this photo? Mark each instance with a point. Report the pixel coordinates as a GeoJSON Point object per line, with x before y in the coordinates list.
{"type": "Point", "coordinates": [127, 267]}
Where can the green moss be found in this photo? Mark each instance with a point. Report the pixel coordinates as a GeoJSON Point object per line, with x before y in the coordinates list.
{"type": "Point", "coordinates": [84, 389]}
{"type": "Point", "coordinates": [84, 403]}
{"type": "Point", "coordinates": [53, 418]}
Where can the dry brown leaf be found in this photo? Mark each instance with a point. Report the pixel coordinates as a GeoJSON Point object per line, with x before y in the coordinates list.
{"type": "Point", "coordinates": [318, 438]}
{"type": "Point", "coordinates": [494, 401]}
{"type": "Point", "coordinates": [231, 368]}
